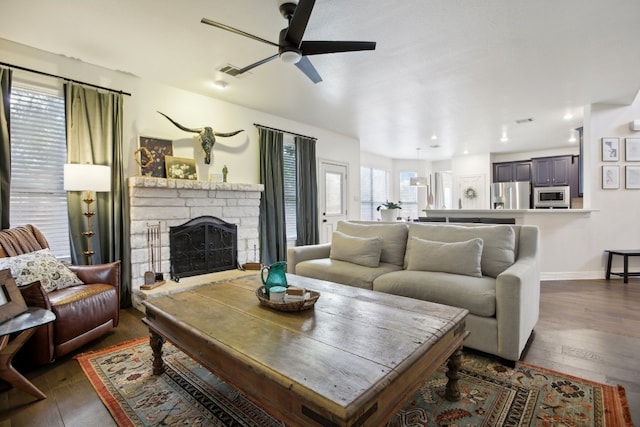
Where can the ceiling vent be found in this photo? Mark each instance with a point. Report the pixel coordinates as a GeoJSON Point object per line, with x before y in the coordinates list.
{"type": "Point", "coordinates": [232, 71]}
{"type": "Point", "coordinates": [527, 120]}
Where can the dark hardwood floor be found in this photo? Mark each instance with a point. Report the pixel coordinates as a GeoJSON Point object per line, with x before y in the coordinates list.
{"type": "Point", "coordinates": [590, 329]}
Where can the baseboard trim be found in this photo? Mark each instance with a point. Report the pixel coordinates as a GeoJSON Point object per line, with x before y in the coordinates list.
{"type": "Point", "coordinates": [572, 275]}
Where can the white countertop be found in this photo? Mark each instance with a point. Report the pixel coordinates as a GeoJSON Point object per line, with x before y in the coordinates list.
{"type": "Point", "coordinates": [502, 212]}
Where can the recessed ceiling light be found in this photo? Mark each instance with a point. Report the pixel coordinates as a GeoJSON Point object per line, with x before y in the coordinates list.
{"type": "Point", "coordinates": [568, 116]}
{"type": "Point", "coordinates": [465, 151]}
{"type": "Point", "coordinates": [220, 84]}
{"type": "Point", "coordinates": [434, 137]}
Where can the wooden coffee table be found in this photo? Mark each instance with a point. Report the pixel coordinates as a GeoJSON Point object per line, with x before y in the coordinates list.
{"type": "Point", "coordinates": [354, 359]}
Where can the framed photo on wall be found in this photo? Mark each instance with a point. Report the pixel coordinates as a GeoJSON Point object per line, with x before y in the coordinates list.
{"type": "Point", "coordinates": [632, 178]}
{"type": "Point", "coordinates": [150, 156]}
{"type": "Point", "coordinates": [610, 149]}
{"type": "Point", "coordinates": [632, 150]}
{"type": "Point", "coordinates": [610, 177]}
{"type": "Point", "coordinates": [181, 168]}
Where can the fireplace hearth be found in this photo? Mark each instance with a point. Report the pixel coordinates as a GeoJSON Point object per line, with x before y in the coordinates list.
{"type": "Point", "coordinates": [202, 245]}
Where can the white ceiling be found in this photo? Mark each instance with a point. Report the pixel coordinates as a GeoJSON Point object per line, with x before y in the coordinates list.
{"type": "Point", "coordinates": [464, 70]}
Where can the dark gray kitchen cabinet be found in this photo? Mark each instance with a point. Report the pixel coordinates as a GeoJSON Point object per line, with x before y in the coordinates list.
{"type": "Point", "coordinates": [512, 171]}
{"type": "Point", "coordinates": [551, 171]}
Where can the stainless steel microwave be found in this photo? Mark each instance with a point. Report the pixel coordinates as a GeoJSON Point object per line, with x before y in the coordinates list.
{"type": "Point", "coordinates": [552, 197]}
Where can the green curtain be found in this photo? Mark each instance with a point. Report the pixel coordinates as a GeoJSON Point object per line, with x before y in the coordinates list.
{"type": "Point", "coordinates": [94, 135]}
{"type": "Point", "coordinates": [273, 239]}
{"type": "Point", "coordinates": [307, 229]}
{"type": "Point", "coordinates": [5, 147]}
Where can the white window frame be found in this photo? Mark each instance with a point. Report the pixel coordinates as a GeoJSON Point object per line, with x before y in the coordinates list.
{"type": "Point", "coordinates": [369, 205]}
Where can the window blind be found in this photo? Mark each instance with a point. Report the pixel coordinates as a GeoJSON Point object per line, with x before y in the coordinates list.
{"type": "Point", "coordinates": [290, 201]}
{"type": "Point", "coordinates": [38, 153]}
{"type": "Point", "coordinates": [374, 189]}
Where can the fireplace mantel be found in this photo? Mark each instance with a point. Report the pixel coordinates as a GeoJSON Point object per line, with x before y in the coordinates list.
{"type": "Point", "coordinates": [172, 202]}
{"type": "Point", "coordinates": [150, 182]}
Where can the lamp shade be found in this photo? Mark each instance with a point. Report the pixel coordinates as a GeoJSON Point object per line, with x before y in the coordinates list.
{"type": "Point", "coordinates": [419, 181]}
{"type": "Point", "coordinates": [87, 177]}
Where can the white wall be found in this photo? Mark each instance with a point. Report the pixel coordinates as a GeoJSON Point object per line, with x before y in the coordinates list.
{"type": "Point", "coordinates": [239, 153]}
{"type": "Point", "coordinates": [573, 245]}
{"type": "Point", "coordinates": [570, 149]}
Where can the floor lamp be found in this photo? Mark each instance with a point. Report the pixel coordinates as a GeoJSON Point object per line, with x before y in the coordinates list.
{"type": "Point", "coordinates": [89, 179]}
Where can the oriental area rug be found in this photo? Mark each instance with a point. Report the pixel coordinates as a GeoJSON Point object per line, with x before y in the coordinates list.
{"type": "Point", "coordinates": [492, 394]}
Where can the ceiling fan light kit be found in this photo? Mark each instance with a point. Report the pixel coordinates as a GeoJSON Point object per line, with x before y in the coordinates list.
{"type": "Point", "coordinates": [291, 48]}
{"type": "Point", "coordinates": [290, 56]}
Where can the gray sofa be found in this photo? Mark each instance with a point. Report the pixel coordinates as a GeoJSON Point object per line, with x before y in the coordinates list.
{"type": "Point", "coordinates": [491, 270]}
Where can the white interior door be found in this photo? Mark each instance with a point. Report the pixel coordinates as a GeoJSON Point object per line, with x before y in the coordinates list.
{"type": "Point", "coordinates": [333, 197]}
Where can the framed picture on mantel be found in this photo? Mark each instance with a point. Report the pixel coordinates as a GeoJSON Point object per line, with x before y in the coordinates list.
{"type": "Point", "coordinates": [610, 149]}
{"type": "Point", "coordinates": [152, 152]}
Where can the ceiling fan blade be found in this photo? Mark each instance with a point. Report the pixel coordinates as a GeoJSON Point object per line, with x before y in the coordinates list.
{"type": "Point", "coordinates": [321, 47]}
{"type": "Point", "coordinates": [298, 23]}
{"type": "Point", "coordinates": [309, 70]}
{"type": "Point", "coordinates": [236, 31]}
{"type": "Point", "coordinates": [255, 64]}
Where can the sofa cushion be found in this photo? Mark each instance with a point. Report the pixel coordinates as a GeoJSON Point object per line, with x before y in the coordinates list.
{"type": "Point", "coordinates": [343, 272]}
{"type": "Point", "coordinates": [456, 257]}
{"type": "Point", "coordinates": [476, 294]}
{"type": "Point", "coordinates": [40, 265]}
{"type": "Point", "coordinates": [498, 242]}
{"type": "Point", "coordinates": [394, 238]}
{"type": "Point", "coordinates": [363, 251]}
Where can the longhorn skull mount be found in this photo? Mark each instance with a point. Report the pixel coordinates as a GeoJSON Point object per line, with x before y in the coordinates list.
{"type": "Point", "coordinates": [207, 136]}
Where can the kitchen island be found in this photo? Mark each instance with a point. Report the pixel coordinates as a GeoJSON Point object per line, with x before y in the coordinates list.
{"type": "Point", "coordinates": [520, 216]}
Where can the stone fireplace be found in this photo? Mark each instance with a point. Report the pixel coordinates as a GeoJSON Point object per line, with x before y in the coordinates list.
{"type": "Point", "coordinates": [174, 202]}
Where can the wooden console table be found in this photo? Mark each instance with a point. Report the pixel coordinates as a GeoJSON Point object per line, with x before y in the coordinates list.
{"type": "Point", "coordinates": [626, 253]}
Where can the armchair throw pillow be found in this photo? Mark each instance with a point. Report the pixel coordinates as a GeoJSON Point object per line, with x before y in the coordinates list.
{"type": "Point", "coordinates": [40, 265]}
{"type": "Point", "coordinates": [363, 251]}
{"type": "Point", "coordinates": [456, 258]}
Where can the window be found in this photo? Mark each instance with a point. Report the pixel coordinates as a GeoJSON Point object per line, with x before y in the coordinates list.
{"type": "Point", "coordinates": [408, 195]}
{"type": "Point", "coordinates": [38, 153]}
{"type": "Point", "coordinates": [290, 186]}
{"type": "Point", "coordinates": [374, 185]}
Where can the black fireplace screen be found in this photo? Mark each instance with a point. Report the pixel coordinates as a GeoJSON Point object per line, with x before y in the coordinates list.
{"type": "Point", "coordinates": [202, 245]}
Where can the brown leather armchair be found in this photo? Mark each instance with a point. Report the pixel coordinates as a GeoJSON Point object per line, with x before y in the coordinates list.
{"type": "Point", "coordinates": [83, 312]}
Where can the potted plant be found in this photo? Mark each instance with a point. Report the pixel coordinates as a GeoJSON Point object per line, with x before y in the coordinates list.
{"type": "Point", "coordinates": [389, 210]}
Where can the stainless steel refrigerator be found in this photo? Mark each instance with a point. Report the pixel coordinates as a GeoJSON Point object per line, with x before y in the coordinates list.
{"type": "Point", "coordinates": [511, 195]}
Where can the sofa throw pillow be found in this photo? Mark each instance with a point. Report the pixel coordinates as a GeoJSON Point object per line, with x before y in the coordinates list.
{"type": "Point", "coordinates": [498, 242]}
{"type": "Point", "coordinates": [43, 266]}
{"type": "Point", "coordinates": [394, 238]}
{"type": "Point", "coordinates": [363, 251]}
{"type": "Point", "coordinates": [456, 258]}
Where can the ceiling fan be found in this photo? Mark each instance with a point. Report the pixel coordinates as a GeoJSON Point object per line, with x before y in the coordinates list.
{"type": "Point", "coordinates": [291, 48]}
